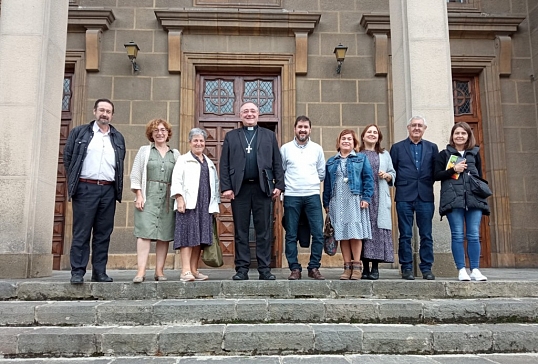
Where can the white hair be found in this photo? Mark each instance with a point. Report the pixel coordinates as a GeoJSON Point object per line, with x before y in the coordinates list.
{"type": "Point", "coordinates": [197, 131]}
{"type": "Point", "coordinates": [417, 117]}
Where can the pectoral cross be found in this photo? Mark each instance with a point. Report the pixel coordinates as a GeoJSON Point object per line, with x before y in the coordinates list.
{"type": "Point", "coordinates": [248, 149]}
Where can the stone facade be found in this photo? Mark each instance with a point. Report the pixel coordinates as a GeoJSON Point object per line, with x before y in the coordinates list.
{"type": "Point", "coordinates": [496, 41]}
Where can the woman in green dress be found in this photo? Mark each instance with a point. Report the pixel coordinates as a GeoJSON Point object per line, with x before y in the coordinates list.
{"type": "Point", "coordinates": [154, 213]}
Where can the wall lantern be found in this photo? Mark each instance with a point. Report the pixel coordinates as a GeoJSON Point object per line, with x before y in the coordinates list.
{"type": "Point", "coordinates": [132, 52]}
{"type": "Point", "coordinates": [340, 53]}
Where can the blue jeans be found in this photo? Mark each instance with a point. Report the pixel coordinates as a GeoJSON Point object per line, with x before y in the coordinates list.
{"type": "Point", "coordinates": [293, 205]}
{"type": "Point", "coordinates": [471, 218]}
{"type": "Point", "coordinates": [424, 215]}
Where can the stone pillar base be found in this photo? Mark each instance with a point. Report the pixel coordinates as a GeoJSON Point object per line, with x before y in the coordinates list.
{"type": "Point", "coordinates": [25, 265]}
{"type": "Point", "coordinates": [443, 265]}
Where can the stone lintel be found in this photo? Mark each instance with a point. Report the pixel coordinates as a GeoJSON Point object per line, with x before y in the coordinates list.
{"type": "Point", "coordinates": [460, 25]}
{"type": "Point", "coordinates": [93, 21]}
{"type": "Point", "coordinates": [247, 22]}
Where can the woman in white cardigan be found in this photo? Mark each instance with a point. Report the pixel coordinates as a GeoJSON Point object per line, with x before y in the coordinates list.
{"type": "Point", "coordinates": [379, 248]}
{"type": "Point", "coordinates": [150, 181]}
{"type": "Point", "coordinates": [195, 188]}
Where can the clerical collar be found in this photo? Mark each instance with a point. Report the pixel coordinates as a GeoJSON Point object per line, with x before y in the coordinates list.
{"type": "Point", "coordinates": [250, 128]}
{"type": "Point", "coordinates": [300, 146]}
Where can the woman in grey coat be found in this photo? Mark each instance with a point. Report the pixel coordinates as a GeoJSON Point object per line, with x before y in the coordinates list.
{"type": "Point", "coordinates": [380, 247]}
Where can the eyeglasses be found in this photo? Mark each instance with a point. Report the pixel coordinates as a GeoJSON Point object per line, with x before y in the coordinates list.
{"type": "Point", "coordinates": [246, 111]}
{"type": "Point", "coordinates": [416, 125]}
{"type": "Point", "coordinates": [162, 130]}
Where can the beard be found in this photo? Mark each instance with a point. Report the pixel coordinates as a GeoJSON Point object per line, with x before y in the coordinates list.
{"type": "Point", "coordinates": [302, 137]}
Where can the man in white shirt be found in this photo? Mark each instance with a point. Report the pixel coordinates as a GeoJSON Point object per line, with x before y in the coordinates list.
{"type": "Point", "coordinates": [303, 162]}
{"type": "Point", "coordinates": [93, 160]}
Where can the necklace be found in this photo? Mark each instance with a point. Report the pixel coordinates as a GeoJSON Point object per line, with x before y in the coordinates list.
{"type": "Point", "coordinates": [248, 148]}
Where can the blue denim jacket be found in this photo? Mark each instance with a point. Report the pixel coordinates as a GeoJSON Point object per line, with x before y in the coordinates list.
{"type": "Point", "coordinates": [359, 173]}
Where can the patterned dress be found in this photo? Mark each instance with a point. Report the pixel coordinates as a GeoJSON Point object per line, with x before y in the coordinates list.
{"type": "Point", "coordinates": [348, 219]}
{"type": "Point", "coordinates": [156, 221]}
{"type": "Point", "coordinates": [380, 247]}
{"type": "Point", "coordinates": [195, 227]}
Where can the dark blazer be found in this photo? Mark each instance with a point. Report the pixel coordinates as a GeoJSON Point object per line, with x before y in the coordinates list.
{"type": "Point", "coordinates": [412, 184]}
{"type": "Point", "coordinates": [233, 159]}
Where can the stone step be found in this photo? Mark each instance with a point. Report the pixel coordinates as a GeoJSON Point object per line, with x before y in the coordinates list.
{"type": "Point", "coordinates": [267, 339]}
{"type": "Point", "coordinates": [526, 358]}
{"type": "Point", "coordinates": [227, 311]}
{"type": "Point", "coordinates": [36, 290]}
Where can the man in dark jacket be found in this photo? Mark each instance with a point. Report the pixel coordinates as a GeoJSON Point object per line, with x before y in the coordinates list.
{"type": "Point", "coordinates": [247, 154]}
{"type": "Point", "coordinates": [93, 160]}
{"type": "Point", "coordinates": [414, 161]}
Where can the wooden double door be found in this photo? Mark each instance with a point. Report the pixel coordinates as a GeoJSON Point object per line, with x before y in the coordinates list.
{"type": "Point", "coordinates": [219, 100]}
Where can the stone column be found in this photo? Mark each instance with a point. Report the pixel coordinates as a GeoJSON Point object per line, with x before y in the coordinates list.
{"type": "Point", "coordinates": [422, 84]}
{"type": "Point", "coordinates": [32, 56]}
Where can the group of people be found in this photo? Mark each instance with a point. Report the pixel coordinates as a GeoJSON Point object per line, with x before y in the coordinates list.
{"type": "Point", "coordinates": [177, 196]}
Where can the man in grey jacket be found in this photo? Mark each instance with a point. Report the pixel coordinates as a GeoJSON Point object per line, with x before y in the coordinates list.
{"type": "Point", "coordinates": [93, 160]}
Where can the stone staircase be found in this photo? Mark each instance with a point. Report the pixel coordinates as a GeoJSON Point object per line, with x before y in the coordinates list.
{"type": "Point", "coordinates": [51, 318]}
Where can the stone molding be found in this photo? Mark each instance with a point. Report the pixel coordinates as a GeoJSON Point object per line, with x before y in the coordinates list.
{"type": "Point", "coordinates": [246, 22]}
{"type": "Point", "coordinates": [93, 21]}
{"type": "Point", "coordinates": [460, 25]}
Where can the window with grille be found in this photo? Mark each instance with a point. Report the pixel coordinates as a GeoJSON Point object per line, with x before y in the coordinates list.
{"type": "Point", "coordinates": [223, 96]}
{"type": "Point", "coordinates": [462, 97]}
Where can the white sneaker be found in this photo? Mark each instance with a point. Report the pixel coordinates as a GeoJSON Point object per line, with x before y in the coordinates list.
{"type": "Point", "coordinates": [463, 276]}
{"type": "Point", "coordinates": [477, 276]}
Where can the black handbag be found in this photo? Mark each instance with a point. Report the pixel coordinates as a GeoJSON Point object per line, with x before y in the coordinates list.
{"type": "Point", "coordinates": [330, 244]}
{"type": "Point", "coordinates": [479, 186]}
{"type": "Point", "coordinates": [269, 181]}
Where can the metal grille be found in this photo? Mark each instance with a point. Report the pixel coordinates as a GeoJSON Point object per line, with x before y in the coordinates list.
{"type": "Point", "coordinates": [219, 97]}
{"type": "Point", "coordinates": [67, 94]}
{"type": "Point", "coordinates": [462, 97]}
{"type": "Point", "coordinates": [260, 93]}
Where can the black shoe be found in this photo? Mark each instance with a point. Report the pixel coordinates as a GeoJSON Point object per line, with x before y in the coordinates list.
{"type": "Point", "coordinates": [101, 277]}
{"type": "Point", "coordinates": [240, 276]}
{"type": "Point", "coordinates": [77, 279]}
{"type": "Point", "coordinates": [374, 274]}
{"type": "Point", "coordinates": [428, 275]}
{"type": "Point", "coordinates": [408, 274]}
{"type": "Point", "coordinates": [365, 271]}
{"type": "Point", "coordinates": [268, 276]}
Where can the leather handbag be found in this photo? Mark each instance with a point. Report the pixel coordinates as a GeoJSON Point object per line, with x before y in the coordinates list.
{"type": "Point", "coordinates": [212, 254]}
{"type": "Point", "coordinates": [269, 181]}
{"type": "Point", "coordinates": [330, 244]}
{"type": "Point", "coordinates": [479, 186]}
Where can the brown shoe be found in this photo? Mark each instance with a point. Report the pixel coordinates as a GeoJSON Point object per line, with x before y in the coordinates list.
{"type": "Point", "coordinates": [357, 271]}
{"type": "Point", "coordinates": [315, 274]}
{"type": "Point", "coordinates": [295, 275]}
{"type": "Point", "coordinates": [347, 272]}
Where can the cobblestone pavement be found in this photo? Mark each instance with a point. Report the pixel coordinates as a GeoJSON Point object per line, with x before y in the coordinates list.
{"type": "Point", "coordinates": [318, 359]}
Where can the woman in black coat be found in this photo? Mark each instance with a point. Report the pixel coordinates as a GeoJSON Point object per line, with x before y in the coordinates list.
{"type": "Point", "coordinates": [460, 205]}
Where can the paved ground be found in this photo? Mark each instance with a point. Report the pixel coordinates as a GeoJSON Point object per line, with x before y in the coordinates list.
{"type": "Point", "coordinates": [318, 359]}
{"type": "Point", "coordinates": [493, 274]}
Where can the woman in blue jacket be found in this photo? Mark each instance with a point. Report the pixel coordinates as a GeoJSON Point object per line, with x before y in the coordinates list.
{"type": "Point", "coordinates": [348, 190]}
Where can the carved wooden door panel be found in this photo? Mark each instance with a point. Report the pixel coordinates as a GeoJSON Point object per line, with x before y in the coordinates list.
{"type": "Point", "coordinates": [219, 99]}
{"type": "Point", "coordinates": [60, 204]}
{"type": "Point", "coordinates": [466, 97]}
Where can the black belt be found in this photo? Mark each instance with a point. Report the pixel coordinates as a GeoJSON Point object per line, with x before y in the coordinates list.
{"type": "Point", "coordinates": [96, 181]}
{"type": "Point", "coordinates": [250, 180]}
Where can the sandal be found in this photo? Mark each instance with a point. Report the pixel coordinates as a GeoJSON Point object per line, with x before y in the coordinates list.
{"type": "Point", "coordinates": [199, 276]}
{"type": "Point", "coordinates": [186, 277]}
